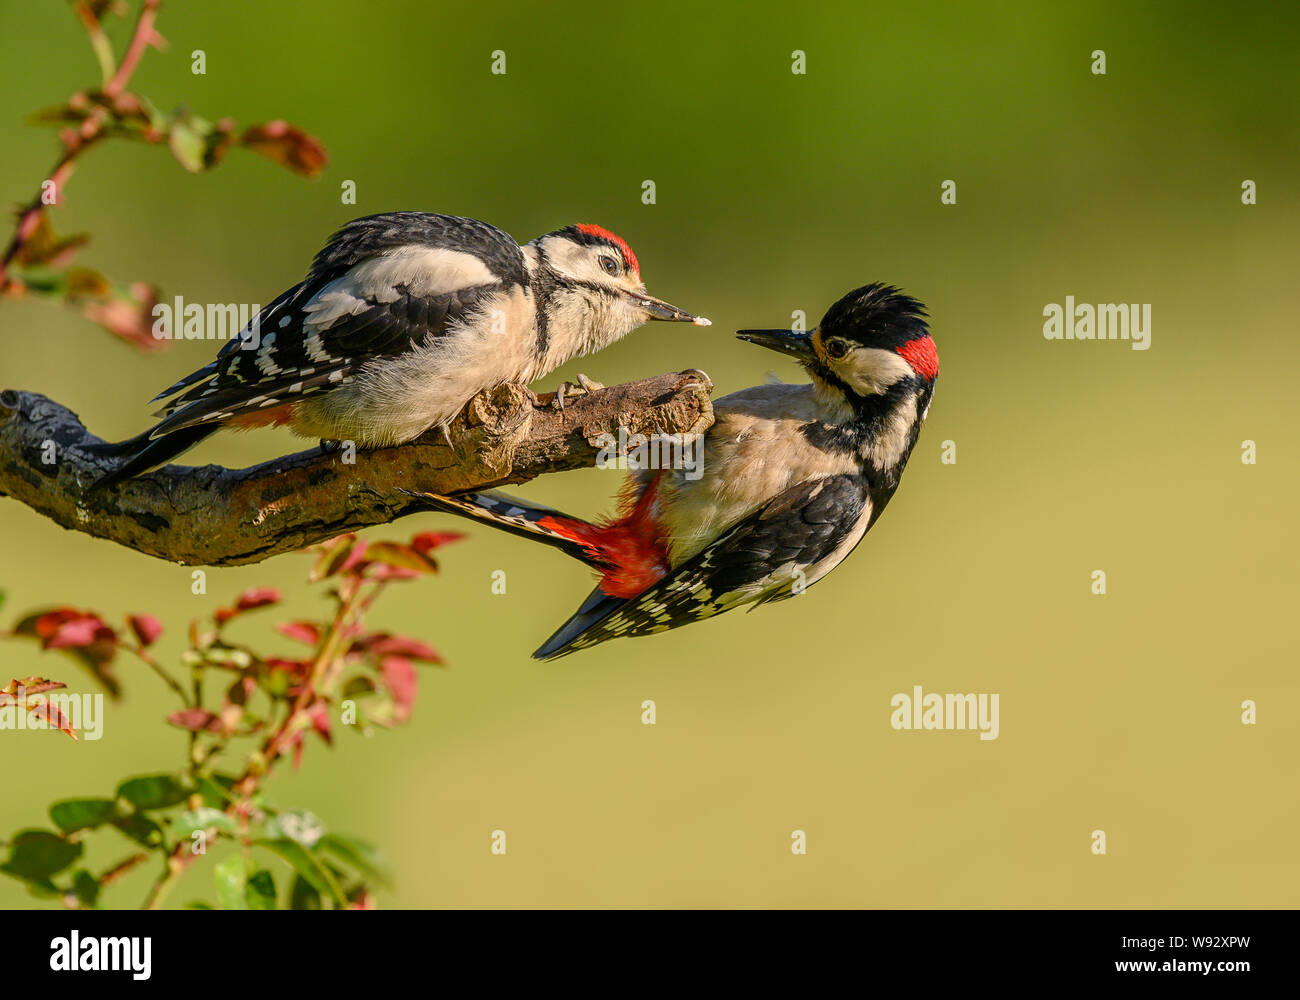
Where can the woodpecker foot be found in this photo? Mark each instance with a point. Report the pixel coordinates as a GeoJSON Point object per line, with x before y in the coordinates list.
{"type": "Point", "coordinates": [446, 434]}
{"type": "Point", "coordinates": [584, 387]}
{"type": "Point", "coordinates": [329, 446]}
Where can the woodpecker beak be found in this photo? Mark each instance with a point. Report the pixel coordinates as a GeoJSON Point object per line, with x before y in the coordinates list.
{"type": "Point", "coordinates": [659, 309]}
{"type": "Point", "coordinates": [792, 342]}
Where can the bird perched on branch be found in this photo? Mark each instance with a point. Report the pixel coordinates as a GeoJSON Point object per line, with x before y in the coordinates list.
{"type": "Point", "coordinates": [403, 318]}
{"type": "Point", "coordinates": [793, 476]}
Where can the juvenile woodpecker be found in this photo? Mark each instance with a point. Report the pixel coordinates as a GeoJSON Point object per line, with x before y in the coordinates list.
{"type": "Point", "coordinates": [403, 318]}
{"type": "Point", "coordinates": [793, 477]}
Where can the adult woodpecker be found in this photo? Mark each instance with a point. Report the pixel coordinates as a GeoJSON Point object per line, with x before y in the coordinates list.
{"type": "Point", "coordinates": [403, 318]}
{"type": "Point", "coordinates": [793, 476]}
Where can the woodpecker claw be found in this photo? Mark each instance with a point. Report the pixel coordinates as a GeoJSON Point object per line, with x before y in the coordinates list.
{"type": "Point", "coordinates": [446, 435]}
{"type": "Point", "coordinates": [585, 387]}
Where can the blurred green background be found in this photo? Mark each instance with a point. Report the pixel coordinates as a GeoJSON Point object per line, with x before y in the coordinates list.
{"type": "Point", "coordinates": [775, 192]}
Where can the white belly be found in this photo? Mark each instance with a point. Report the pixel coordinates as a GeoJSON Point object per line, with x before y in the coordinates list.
{"type": "Point", "coordinates": [395, 399]}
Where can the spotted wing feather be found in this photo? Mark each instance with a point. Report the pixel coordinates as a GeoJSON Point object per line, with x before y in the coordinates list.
{"type": "Point", "coordinates": [755, 561]}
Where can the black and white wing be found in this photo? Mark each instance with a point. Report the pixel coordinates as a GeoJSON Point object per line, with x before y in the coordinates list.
{"type": "Point", "coordinates": [775, 553]}
{"type": "Point", "coordinates": [383, 285]}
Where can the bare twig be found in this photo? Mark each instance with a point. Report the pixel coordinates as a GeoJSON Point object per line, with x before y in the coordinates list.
{"type": "Point", "coordinates": [121, 868]}
{"type": "Point", "coordinates": [219, 517]}
{"type": "Point", "coordinates": [148, 660]}
{"type": "Point", "coordinates": [76, 142]}
{"type": "Point", "coordinates": [143, 36]}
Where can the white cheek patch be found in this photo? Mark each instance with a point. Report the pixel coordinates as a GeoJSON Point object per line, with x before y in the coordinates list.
{"type": "Point", "coordinates": [565, 256]}
{"type": "Point", "coordinates": [574, 260]}
{"type": "Point", "coordinates": [870, 371]}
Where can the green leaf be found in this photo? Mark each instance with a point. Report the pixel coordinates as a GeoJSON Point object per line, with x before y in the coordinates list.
{"type": "Point", "coordinates": [45, 890]}
{"type": "Point", "coordinates": [203, 818]}
{"type": "Point", "coordinates": [401, 556]}
{"type": "Point", "coordinates": [333, 554]}
{"type": "Point", "coordinates": [358, 687]}
{"type": "Point", "coordinates": [214, 795]}
{"type": "Point", "coordinates": [86, 888]}
{"type": "Point", "coordinates": [141, 829]}
{"type": "Point", "coordinates": [35, 855]}
{"type": "Point", "coordinates": [302, 896]}
{"type": "Point", "coordinates": [156, 791]}
{"type": "Point", "coordinates": [276, 683]}
{"type": "Point", "coordinates": [87, 283]}
{"type": "Point", "coordinates": [357, 855]}
{"type": "Point", "coordinates": [198, 904]}
{"type": "Point", "coordinates": [231, 877]}
{"type": "Point", "coordinates": [261, 891]}
{"type": "Point", "coordinates": [188, 140]}
{"type": "Point", "coordinates": [306, 864]}
{"type": "Point", "coordinates": [71, 815]}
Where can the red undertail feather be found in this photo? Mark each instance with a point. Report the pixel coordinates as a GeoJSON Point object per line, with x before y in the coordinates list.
{"type": "Point", "coordinates": [272, 416]}
{"type": "Point", "coordinates": [629, 549]}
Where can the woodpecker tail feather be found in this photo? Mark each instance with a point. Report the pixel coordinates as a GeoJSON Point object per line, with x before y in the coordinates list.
{"type": "Point", "coordinates": [596, 608]}
{"type": "Point", "coordinates": [142, 453]}
{"type": "Point", "coordinates": [520, 517]}
{"type": "Point", "coordinates": [187, 381]}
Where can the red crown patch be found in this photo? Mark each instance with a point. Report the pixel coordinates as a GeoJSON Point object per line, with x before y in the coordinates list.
{"type": "Point", "coordinates": [591, 229]}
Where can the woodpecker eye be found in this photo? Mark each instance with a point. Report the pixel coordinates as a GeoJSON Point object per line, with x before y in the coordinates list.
{"type": "Point", "coordinates": [837, 348]}
{"type": "Point", "coordinates": [609, 264]}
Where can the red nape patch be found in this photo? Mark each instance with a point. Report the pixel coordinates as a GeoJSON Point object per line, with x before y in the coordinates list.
{"type": "Point", "coordinates": [274, 416]}
{"type": "Point", "coordinates": [922, 356]}
{"type": "Point", "coordinates": [591, 229]}
{"type": "Point", "coordinates": [629, 549]}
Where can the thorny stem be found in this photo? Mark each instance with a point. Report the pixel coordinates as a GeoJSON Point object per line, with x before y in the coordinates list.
{"type": "Point", "coordinates": [121, 868]}
{"type": "Point", "coordinates": [30, 218]}
{"type": "Point", "coordinates": [261, 762]}
{"type": "Point", "coordinates": [158, 669]}
{"type": "Point", "coordinates": [275, 745]}
{"type": "Point", "coordinates": [143, 37]}
{"type": "Point", "coordinates": [70, 899]}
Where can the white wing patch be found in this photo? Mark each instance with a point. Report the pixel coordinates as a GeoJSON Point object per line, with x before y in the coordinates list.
{"type": "Point", "coordinates": [425, 272]}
